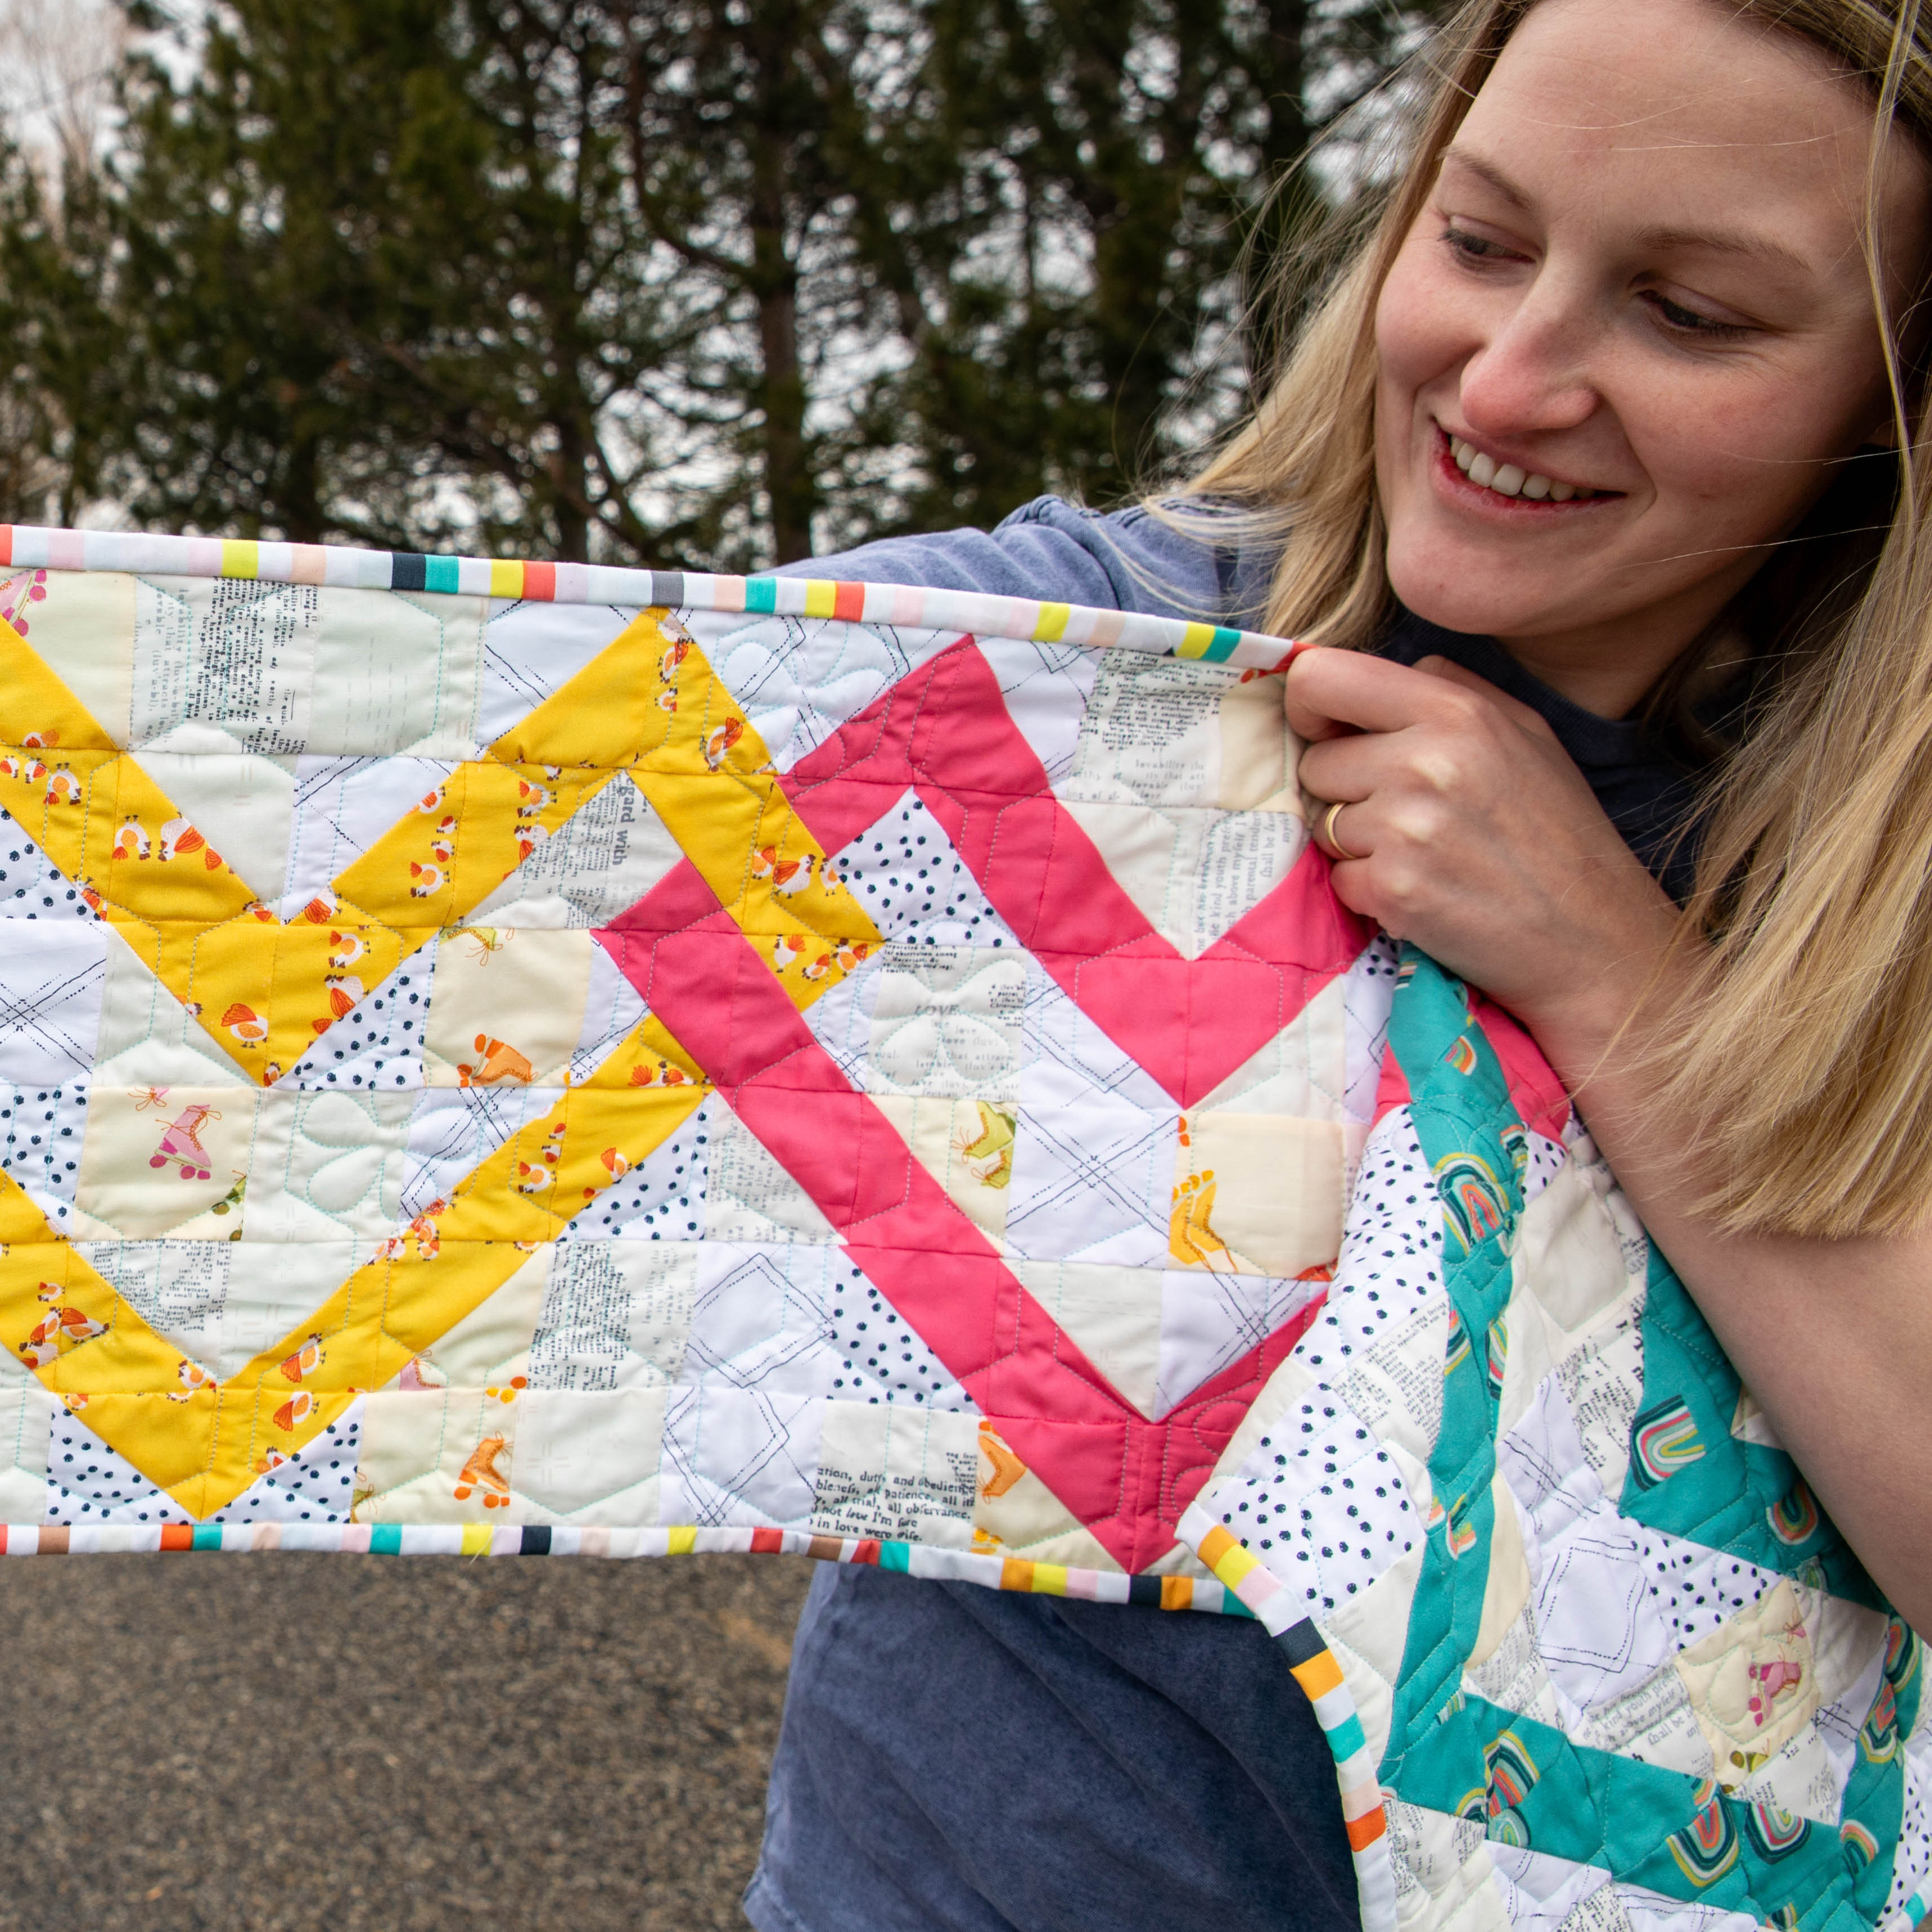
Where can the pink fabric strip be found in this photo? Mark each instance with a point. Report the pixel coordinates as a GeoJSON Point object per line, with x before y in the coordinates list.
{"type": "Point", "coordinates": [1127, 1478]}
{"type": "Point", "coordinates": [1392, 1087]}
{"type": "Point", "coordinates": [1190, 1023]}
{"type": "Point", "coordinates": [1535, 1092]}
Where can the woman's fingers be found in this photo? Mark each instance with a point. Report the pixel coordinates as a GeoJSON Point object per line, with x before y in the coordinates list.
{"type": "Point", "coordinates": [1451, 672]}
{"type": "Point", "coordinates": [1351, 768]}
{"type": "Point", "coordinates": [1327, 691]}
{"type": "Point", "coordinates": [1330, 836]}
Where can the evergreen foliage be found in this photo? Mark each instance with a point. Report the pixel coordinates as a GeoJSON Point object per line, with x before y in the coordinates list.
{"type": "Point", "coordinates": [711, 282]}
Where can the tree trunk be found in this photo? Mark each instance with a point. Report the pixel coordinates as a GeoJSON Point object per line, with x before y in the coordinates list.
{"type": "Point", "coordinates": [301, 492]}
{"type": "Point", "coordinates": [570, 481]}
{"type": "Point", "coordinates": [788, 480]}
{"type": "Point", "coordinates": [789, 486]}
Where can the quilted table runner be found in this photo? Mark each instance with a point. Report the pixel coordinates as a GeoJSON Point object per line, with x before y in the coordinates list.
{"type": "Point", "coordinates": [521, 1059]}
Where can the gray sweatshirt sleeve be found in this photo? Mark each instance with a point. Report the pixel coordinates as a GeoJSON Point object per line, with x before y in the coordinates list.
{"type": "Point", "coordinates": [1126, 560]}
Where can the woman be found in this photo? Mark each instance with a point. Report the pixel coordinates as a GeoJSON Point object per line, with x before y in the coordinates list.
{"type": "Point", "coordinates": [1589, 462]}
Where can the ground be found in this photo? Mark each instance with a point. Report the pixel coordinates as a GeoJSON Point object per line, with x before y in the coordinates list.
{"type": "Point", "coordinates": [274, 1743]}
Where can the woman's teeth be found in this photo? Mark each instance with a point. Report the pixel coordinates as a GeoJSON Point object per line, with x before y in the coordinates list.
{"type": "Point", "coordinates": [1506, 479]}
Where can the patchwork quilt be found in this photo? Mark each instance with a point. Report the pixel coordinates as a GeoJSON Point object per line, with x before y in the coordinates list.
{"type": "Point", "coordinates": [522, 1059]}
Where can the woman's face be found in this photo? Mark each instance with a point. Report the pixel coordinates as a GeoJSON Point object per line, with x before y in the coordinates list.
{"type": "Point", "coordinates": [1635, 313]}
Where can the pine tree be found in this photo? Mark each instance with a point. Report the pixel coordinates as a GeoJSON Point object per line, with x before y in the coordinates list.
{"type": "Point", "coordinates": [381, 279]}
{"type": "Point", "coordinates": [713, 282]}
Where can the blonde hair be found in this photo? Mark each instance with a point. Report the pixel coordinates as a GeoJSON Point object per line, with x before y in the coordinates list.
{"type": "Point", "coordinates": [1800, 1039]}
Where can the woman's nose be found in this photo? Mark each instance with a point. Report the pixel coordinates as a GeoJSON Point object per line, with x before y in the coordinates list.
{"type": "Point", "coordinates": [1532, 371]}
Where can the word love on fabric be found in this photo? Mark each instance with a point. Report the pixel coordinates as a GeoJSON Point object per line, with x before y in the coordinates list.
{"type": "Point", "coordinates": [519, 1059]}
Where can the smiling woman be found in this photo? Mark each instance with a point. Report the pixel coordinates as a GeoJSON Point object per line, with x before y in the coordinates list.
{"type": "Point", "coordinates": [1600, 459]}
{"type": "Point", "coordinates": [1627, 377]}
{"type": "Point", "coordinates": [1629, 285]}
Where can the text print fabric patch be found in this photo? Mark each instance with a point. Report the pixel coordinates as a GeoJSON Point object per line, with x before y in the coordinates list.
{"type": "Point", "coordinates": [521, 1059]}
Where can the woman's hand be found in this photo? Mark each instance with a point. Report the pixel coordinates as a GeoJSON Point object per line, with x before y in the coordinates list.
{"type": "Point", "coordinates": [1465, 826]}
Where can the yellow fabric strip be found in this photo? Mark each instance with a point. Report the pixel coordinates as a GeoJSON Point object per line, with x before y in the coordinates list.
{"type": "Point", "coordinates": [262, 988]}
{"type": "Point", "coordinates": [240, 559]}
{"type": "Point", "coordinates": [264, 992]}
{"type": "Point", "coordinates": [710, 780]}
{"type": "Point", "coordinates": [1053, 621]}
{"type": "Point", "coordinates": [821, 597]}
{"type": "Point", "coordinates": [33, 700]}
{"type": "Point", "coordinates": [451, 1260]}
{"type": "Point", "coordinates": [683, 1541]}
{"type": "Point", "coordinates": [43, 1273]}
{"type": "Point", "coordinates": [420, 873]}
{"type": "Point", "coordinates": [609, 714]}
{"type": "Point", "coordinates": [478, 1539]}
{"type": "Point", "coordinates": [506, 580]}
{"type": "Point", "coordinates": [206, 1445]}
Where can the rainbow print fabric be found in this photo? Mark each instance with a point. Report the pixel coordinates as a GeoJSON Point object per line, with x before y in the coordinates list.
{"type": "Point", "coordinates": [1611, 1667]}
{"type": "Point", "coordinates": [522, 1059]}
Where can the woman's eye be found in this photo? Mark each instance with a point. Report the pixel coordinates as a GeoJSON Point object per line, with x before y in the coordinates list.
{"type": "Point", "coordinates": [1688, 321]}
{"type": "Point", "coordinates": [1474, 248]}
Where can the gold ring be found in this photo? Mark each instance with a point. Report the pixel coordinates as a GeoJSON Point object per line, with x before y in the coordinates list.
{"type": "Point", "coordinates": [1328, 838]}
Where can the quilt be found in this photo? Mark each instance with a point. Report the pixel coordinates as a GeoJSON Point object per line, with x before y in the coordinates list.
{"type": "Point", "coordinates": [519, 1059]}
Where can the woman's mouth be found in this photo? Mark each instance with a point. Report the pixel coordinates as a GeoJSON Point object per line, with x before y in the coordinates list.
{"type": "Point", "coordinates": [1507, 482]}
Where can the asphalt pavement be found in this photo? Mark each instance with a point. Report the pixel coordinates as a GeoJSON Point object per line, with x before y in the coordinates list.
{"type": "Point", "coordinates": [274, 1743]}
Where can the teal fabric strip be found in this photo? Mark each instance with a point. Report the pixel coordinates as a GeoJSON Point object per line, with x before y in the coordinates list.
{"type": "Point", "coordinates": [439, 573]}
{"type": "Point", "coordinates": [1530, 1785]}
{"type": "Point", "coordinates": [1691, 1476]}
{"type": "Point", "coordinates": [1347, 1737]}
{"type": "Point", "coordinates": [1476, 1148]}
{"type": "Point", "coordinates": [761, 594]}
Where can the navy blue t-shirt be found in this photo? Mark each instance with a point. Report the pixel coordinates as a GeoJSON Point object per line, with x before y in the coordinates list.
{"type": "Point", "coordinates": [959, 1759]}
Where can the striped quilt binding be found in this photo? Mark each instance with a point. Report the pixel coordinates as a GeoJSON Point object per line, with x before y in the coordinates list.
{"type": "Point", "coordinates": [25, 546]}
{"type": "Point", "coordinates": [483, 1539]}
{"type": "Point", "coordinates": [1313, 1666]}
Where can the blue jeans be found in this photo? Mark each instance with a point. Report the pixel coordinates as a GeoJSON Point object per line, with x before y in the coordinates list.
{"type": "Point", "coordinates": [961, 1758]}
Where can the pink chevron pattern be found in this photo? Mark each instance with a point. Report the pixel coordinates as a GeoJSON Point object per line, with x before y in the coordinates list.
{"type": "Point", "coordinates": [944, 731]}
